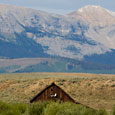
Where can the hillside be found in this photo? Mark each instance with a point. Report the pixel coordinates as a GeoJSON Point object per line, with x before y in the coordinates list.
{"type": "Point", "coordinates": [57, 65]}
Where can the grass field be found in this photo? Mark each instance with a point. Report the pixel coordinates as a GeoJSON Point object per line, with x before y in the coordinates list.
{"type": "Point", "coordinates": [94, 90]}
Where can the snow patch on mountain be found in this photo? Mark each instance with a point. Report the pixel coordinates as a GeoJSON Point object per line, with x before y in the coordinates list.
{"type": "Point", "coordinates": [110, 12]}
{"type": "Point", "coordinates": [88, 7]}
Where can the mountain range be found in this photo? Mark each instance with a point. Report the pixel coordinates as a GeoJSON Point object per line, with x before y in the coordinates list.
{"type": "Point", "coordinates": [80, 41]}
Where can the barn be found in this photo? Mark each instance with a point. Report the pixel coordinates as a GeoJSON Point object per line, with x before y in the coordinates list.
{"type": "Point", "coordinates": [54, 93]}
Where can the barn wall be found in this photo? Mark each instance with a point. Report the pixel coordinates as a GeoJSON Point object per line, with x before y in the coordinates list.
{"type": "Point", "coordinates": [46, 95]}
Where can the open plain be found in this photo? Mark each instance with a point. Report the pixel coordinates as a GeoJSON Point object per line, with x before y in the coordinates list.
{"type": "Point", "coordinates": [94, 90]}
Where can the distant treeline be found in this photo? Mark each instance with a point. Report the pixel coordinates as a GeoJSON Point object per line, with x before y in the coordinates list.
{"type": "Point", "coordinates": [61, 65]}
{"type": "Point", "coordinates": [69, 65]}
{"type": "Point", "coordinates": [49, 108]}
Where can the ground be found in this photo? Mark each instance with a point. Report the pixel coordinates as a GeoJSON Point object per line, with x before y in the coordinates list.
{"type": "Point", "coordinates": [94, 90]}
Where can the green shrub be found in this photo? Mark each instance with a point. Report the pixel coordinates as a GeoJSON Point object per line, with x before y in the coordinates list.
{"type": "Point", "coordinates": [67, 109]}
{"type": "Point", "coordinates": [52, 109]}
{"type": "Point", "coordinates": [11, 112]}
{"type": "Point", "coordinates": [113, 112]}
{"type": "Point", "coordinates": [3, 106]}
{"type": "Point", "coordinates": [37, 108]}
{"type": "Point", "coordinates": [20, 107]}
{"type": "Point", "coordinates": [12, 109]}
{"type": "Point", "coordinates": [102, 112]}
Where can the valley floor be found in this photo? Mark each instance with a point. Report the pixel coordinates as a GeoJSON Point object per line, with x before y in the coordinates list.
{"type": "Point", "coordinates": [94, 90]}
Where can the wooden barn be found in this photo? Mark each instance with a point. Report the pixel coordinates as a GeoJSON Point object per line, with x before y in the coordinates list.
{"type": "Point", "coordinates": [54, 93]}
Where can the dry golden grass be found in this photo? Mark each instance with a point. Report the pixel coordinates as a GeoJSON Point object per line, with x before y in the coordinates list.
{"type": "Point", "coordinates": [94, 90]}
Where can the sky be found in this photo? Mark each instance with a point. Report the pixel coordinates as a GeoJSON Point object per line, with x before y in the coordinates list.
{"type": "Point", "coordinates": [60, 6]}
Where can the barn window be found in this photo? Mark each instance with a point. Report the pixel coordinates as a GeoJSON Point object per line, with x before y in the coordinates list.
{"type": "Point", "coordinates": [51, 89]}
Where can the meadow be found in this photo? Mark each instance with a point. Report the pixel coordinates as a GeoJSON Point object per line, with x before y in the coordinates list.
{"type": "Point", "coordinates": [94, 90]}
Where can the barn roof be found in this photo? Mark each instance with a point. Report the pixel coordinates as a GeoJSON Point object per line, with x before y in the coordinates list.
{"type": "Point", "coordinates": [53, 84]}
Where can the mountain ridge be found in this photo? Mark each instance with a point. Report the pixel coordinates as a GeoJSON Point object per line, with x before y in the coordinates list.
{"type": "Point", "coordinates": [29, 33]}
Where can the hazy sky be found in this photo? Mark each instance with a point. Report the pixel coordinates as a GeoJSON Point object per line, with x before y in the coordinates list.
{"type": "Point", "coordinates": [60, 6]}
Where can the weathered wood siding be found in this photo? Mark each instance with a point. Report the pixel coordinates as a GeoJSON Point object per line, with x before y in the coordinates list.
{"type": "Point", "coordinates": [52, 90]}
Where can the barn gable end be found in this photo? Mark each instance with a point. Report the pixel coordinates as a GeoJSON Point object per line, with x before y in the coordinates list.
{"type": "Point", "coordinates": [54, 93]}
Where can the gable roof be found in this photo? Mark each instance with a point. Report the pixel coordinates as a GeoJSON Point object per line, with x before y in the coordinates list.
{"type": "Point", "coordinates": [53, 84]}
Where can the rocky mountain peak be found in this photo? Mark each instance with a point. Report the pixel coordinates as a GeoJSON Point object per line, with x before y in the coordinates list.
{"type": "Point", "coordinates": [90, 8]}
{"type": "Point", "coordinates": [95, 15]}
